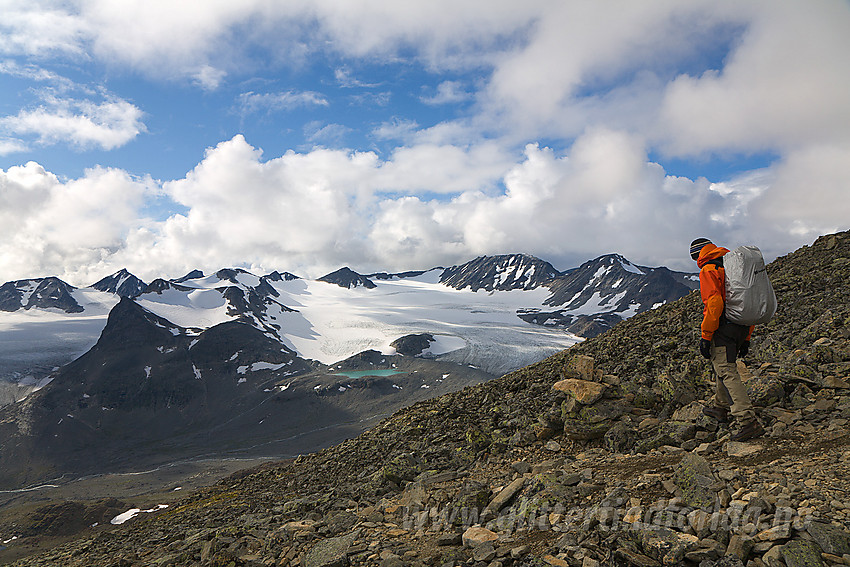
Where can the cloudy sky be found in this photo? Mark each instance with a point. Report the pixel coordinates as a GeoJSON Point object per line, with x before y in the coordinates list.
{"type": "Point", "coordinates": [304, 135]}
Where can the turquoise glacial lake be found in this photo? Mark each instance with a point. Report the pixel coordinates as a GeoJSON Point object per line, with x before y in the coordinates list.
{"type": "Point", "coordinates": [362, 373]}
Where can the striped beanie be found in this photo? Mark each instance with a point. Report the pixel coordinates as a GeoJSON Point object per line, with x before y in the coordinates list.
{"type": "Point", "coordinates": [697, 245]}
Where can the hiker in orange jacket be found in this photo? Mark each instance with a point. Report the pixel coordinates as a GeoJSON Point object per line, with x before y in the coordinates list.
{"type": "Point", "coordinates": [723, 342]}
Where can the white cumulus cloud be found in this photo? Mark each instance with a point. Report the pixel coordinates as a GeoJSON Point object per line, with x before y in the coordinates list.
{"type": "Point", "coordinates": [82, 123]}
{"type": "Point", "coordinates": [71, 229]}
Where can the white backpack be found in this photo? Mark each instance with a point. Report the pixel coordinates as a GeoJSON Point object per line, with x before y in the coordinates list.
{"type": "Point", "coordinates": [750, 299]}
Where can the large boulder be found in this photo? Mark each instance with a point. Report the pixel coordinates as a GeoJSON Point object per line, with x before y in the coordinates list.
{"type": "Point", "coordinates": [592, 422]}
{"type": "Point", "coordinates": [678, 390]}
{"type": "Point", "coordinates": [697, 482]}
{"type": "Point", "coordinates": [801, 553]}
{"type": "Point", "coordinates": [581, 366]}
{"type": "Point", "coordinates": [830, 538]}
{"type": "Point", "coordinates": [584, 391]}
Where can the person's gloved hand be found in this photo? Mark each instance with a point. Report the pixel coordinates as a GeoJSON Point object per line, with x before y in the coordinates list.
{"type": "Point", "coordinates": [743, 349]}
{"type": "Point", "coordinates": [705, 348]}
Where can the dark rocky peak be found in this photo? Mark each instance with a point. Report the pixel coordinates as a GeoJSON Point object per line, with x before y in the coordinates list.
{"type": "Point", "coordinates": [42, 293]}
{"type": "Point", "coordinates": [265, 289]}
{"type": "Point", "coordinates": [159, 285]}
{"type": "Point", "coordinates": [276, 276]}
{"type": "Point", "coordinates": [231, 274]}
{"type": "Point", "coordinates": [129, 325]}
{"type": "Point", "coordinates": [122, 283]}
{"type": "Point", "coordinates": [193, 275]}
{"type": "Point", "coordinates": [347, 278]}
{"type": "Point", "coordinates": [500, 273]}
{"type": "Point", "coordinates": [363, 360]}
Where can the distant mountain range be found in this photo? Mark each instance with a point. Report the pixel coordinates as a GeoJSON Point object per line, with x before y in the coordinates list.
{"type": "Point", "coordinates": [583, 301]}
{"type": "Point", "coordinates": [236, 362]}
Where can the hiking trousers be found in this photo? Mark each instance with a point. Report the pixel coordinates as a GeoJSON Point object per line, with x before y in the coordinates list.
{"type": "Point", "coordinates": [729, 387]}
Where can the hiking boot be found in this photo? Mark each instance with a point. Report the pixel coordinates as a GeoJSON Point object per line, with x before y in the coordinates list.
{"type": "Point", "coordinates": [749, 431]}
{"type": "Point", "coordinates": [714, 412]}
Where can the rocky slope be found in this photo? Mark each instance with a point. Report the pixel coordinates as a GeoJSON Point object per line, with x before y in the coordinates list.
{"type": "Point", "coordinates": [596, 456]}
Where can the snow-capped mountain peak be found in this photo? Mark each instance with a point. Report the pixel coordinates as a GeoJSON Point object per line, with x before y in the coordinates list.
{"type": "Point", "coordinates": [599, 293]}
{"type": "Point", "coordinates": [122, 283]}
{"type": "Point", "coordinates": [42, 293]}
{"type": "Point", "coordinates": [500, 273]}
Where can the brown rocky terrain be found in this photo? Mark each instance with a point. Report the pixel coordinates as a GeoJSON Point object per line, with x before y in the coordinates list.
{"type": "Point", "coordinates": [599, 455]}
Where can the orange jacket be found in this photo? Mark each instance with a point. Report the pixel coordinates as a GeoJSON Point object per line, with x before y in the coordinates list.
{"type": "Point", "coordinates": [712, 289]}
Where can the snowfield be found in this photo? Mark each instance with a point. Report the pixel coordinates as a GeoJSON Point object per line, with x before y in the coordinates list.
{"type": "Point", "coordinates": [35, 341]}
{"type": "Point", "coordinates": [330, 323]}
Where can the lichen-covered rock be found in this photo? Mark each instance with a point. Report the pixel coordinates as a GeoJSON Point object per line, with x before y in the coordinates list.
{"type": "Point", "coordinates": [604, 410]}
{"type": "Point", "coordinates": [478, 439]}
{"type": "Point", "coordinates": [676, 389]}
{"type": "Point", "coordinates": [653, 442]}
{"type": "Point", "coordinates": [680, 431]}
{"type": "Point", "coordinates": [765, 391]}
{"type": "Point", "coordinates": [473, 494]}
{"type": "Point", "coordinates": [697, 482]}
{"type": "Point", "coordinates": [581, 366]}
{"type": "Point", "coordinates": [332, 552]}
{"type": "Point", "coordinates": [578, 429]}
{"type": "Point", "coordinates": [620, 438]}
{"type": "Point", "coordinates": [801, 553]}
{"type": "Point", "coordinates": [664, 545]}
{"type": "Point", "coordinates": [402, 467]}
{"type": "Point", "coordinates": [830, 538]}
{"type": "Point", "coordinates": [641, 396]}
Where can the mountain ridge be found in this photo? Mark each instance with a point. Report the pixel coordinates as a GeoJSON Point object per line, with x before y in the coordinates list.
{"type": "Point", "coordinates": [258, 296]}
